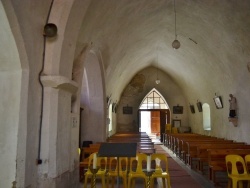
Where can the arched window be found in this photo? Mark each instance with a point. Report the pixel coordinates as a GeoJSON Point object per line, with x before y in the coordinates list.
{"type": "Point", "coordinates": [206, 117]}
{"type": "Point", "coordinates": [154, 100]}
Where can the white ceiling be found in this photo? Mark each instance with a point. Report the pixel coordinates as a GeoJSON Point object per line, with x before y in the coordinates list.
{"type": "Point", "coordinates": [135, 34]}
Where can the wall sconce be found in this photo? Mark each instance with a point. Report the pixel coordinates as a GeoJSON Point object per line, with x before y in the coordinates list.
{"type": "Point", "coordinates": [50, 30]}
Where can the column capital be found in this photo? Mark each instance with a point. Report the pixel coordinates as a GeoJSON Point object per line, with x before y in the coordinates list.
{"type": "Point", "coordinates": [59, 82]}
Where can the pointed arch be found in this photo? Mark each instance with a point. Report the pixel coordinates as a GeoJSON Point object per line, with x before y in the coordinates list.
{"type": "Point", "coordinates": [154, 100]}
{"type": "Point", "coordinates": [92, 99]}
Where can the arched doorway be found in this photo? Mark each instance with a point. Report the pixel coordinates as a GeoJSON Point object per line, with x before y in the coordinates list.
{"type": "Point", "coordinates": [153, 113]}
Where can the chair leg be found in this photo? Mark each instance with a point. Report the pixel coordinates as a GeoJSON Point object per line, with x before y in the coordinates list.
{"type": "Point", "coordinates": [163, 182]}
{"type": "Point", "coordinates": [234, 183]}
{"type": "Point", "coordinates": [129, 182]}
{"type": "Point", "coordinates": [133, 183]}
{"type": "Point", "coordinates": [124, 182]}
{"type": "Point", "coordinates": [240, 184]}
{"type": "Point", "coordinates": [248, 184]}
{"type": "Point", "coordinates": [86, 181]}
{"type": "Point", "coordinates": [229, 183]}
{"type": "Point", "coordinates": [168, 182]}
{"type": "Point", "coordinates": [107, 182]}
{"type": "Point", "coordinates": [113, 182]}
{"type": "Point", "coordinates": [103, 182]}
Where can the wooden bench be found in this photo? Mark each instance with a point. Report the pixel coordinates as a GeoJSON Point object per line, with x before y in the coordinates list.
{"type": "Point", "coordinates": [202, 151]}
{"type": "Point", "coordinates": [171, 138]}
{"type": "Point", "coordinates": [183, 147]}
{"type": "Point", "coordinates": [191, 152]}
{"type": "Point", "coordinates": [176, 139]}
{"type": "Point", "coordinates": [217, 163]}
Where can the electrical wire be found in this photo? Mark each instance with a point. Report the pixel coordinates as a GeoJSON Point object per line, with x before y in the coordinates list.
{"type": "Point", "coordinates": [39, 160]}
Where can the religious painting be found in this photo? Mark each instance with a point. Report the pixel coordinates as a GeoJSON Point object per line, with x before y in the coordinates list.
{"type": "Point", "coordinates": [192, 109]}
{"type": "Point", "coordinates": [218, 102]}
{"type": "Point", "coordinates": [177, 109]}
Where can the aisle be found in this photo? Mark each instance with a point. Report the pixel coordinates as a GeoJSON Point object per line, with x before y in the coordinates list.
{"type": "Point", "coordinates": [180, 175]}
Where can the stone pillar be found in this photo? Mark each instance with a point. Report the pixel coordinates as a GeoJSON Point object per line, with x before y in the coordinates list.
{"type": "Point", "coordinates": [56, 146]}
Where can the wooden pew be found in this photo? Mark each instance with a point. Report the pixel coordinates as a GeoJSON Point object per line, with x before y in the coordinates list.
{"type": "Point", "coordinates": [182, 146]}
{"type": "Point", "coordinates": [202, 151]}
{"type": "Point", "coordinates": [172, 138]}
{"type": "Point", "coordinates": [217, 163]}
{"type": "Point", "coordinates": [191, 152]}
{"type": "Point", "coordinates": [185, 149]}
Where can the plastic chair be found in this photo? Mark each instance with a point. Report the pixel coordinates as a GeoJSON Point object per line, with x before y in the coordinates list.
{"type": "Point", "coordinates": [113, 170]}
{"type": "Point", "coordinates": [168, 128]}
{"type": "Point", "coordinates": [174, 130]}
{"type": "Point", "coordinates": [233, 163]}
{"type": "Point", "coordinates": [247, 161]}
{"type": "Point", "coordinates": [161, 168]}
{"type": "Point", "coordinates": [136, 169]}
{"type": "Point", "coordinates": [102, 164]}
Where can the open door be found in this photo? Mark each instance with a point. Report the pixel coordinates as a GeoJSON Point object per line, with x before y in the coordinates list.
{"type": "Point", "coordinates": [157, 120]}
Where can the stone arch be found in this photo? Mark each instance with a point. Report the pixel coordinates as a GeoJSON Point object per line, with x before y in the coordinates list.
{"type": "Point", "coordinates": [14, 98]}
{"type": "Point", "coordinates": [92, 98]}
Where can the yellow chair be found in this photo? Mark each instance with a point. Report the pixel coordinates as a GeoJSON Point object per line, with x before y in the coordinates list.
{"type": "Point", "coordinates": [174, 130]}
{"type": "Point", "coordinates": [168, 128]}
{"type": "Point", "coordinates": [247, 161]}
{"type": "Point", "coordinates": [136, 169]}
{"type": "Point", "coordinates": [113, 170]}
{"type": "Point", "coordinates": [160, 161]}
{"type": "Point", "coordinates": [102, 164]}
{"type": "Point", "coordinates": [232, 163]}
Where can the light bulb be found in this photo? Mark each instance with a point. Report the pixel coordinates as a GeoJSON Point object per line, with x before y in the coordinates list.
{"type": "Point", "coordinates": [157, 81]}
{"type": "Point", "coordinates": [176, 44]}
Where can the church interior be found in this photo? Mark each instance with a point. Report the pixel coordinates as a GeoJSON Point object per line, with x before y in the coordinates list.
{"type": "Point", "coordinates": [89, 70]}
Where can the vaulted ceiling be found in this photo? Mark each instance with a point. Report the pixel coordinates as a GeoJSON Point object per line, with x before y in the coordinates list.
{"type": "Point", "coordinates": [133, 35]}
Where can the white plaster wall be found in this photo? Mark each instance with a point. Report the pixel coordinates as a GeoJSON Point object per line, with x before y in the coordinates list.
{"type": "Point", "coordinates": [9, 115]}
{"type": "Point", "coordinates": [10, 92]}
{"type": "Point", "coordinates": [134, 96]}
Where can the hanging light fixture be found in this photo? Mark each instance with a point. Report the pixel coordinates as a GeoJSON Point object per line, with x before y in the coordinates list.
{"type": "Point", "coordinates": [176, 44]}
{"type": "Point", "coordinates": [157, 81]}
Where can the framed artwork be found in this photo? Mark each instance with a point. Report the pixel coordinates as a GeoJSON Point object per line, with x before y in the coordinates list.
{"type": "Point", "coordinates": [199, 106]}
{"type": "Point", "coordinates": [177, 109]}
{"type": "Point", "coordinates": [113, 107]}
{"type": "Point", "coordinates": [176, 123]}
{"type": "Point", "coordinates": [127, 110]}
{"type": "Point", "coordinates": [192, 109]}
{"type": "Point", "coordinates": [108, 101]}
{"type": "Point", "coordinates": [218, 102]}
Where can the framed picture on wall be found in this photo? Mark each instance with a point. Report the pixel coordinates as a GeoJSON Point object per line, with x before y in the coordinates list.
{"type": "Point", "coordinates": [176, 123]}
{"type": "Point", "coordinates": [218, 102]}
{"type": "Point", "coordinates": [127, 110]}
{"type": "Point", "coordinates": [177, 109]}
{"type": "Point", "coordinates": [199, 106]}
{"type": "Point", "coordinates": [192, 109]}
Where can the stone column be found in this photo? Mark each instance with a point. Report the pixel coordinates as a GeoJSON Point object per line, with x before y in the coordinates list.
{"type": "Point", "coordinates": [56, 155]}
